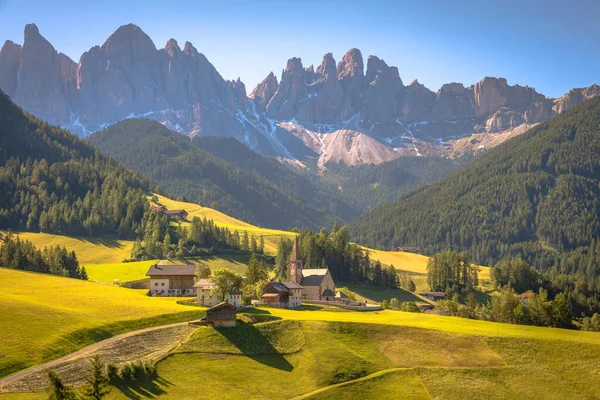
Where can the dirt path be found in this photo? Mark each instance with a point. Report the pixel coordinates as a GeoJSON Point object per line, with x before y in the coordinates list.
{"type": "Point", "coordinates": [6, 381]}
{"type": "Point", "coordinates": [364, 378]}
{"type": "Point", "coordinates": [384, 372]}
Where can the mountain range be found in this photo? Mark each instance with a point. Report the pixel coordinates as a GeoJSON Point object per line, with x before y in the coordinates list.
{"type": "Point", "coordinates": [536, 196]}
{"type": "Point", "coordinates": [335, 113]}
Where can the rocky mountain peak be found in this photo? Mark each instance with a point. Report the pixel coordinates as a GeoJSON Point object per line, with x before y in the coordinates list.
{"type": "Point", "coordinates": [327, 67]}
{"type": "Point", "coordinates": [172, 47]}
{"type": "Point", "coordinates": [189, 49]}
{"type": "Point", "coordinates": [128, 37]}
{"type": "Point", "coordinates": [351, 65]}
{"type": "Point", "coordinates": [10, 62]}
{"type": "Point", "coordinates": [264, 91]}
{"type": "Point", "coordinates": [292, 89]}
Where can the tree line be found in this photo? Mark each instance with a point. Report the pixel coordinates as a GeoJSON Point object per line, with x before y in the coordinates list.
{"type": "Point", "coordinates": [161, 240]}
{"type": "Point", "coordinates": [23, 255]}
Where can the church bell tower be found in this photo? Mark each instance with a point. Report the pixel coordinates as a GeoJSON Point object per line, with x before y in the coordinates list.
{"type": "Point", "coordinates": [295, 264]}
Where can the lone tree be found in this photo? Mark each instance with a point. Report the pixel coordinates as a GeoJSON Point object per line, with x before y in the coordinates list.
{"type": "Point", "coordinates": [203, 271]}
{"type": "Point", "coordinates": [226, 281]}
{"type": "Point", "coordinates": [98, 380]}
{"type": "Point", "coordinates": [58, 390]}
{"type": "Point", "coordinates": [257, 270]}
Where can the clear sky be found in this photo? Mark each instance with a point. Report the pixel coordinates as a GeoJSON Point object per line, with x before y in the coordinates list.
{"type": "Point", "coordinates": [548, 44]}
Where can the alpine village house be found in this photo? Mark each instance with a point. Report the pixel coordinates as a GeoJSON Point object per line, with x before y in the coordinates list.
{"type": "Point", "coordinates": [304, 284]}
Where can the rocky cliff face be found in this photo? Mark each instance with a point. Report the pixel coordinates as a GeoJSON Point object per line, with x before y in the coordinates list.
{"type": "Point", "coordinates": [336, 112]}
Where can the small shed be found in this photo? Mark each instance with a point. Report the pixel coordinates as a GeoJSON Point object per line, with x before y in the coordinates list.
{"type": "Point", "coordinates": [434, 295]}
{"type": "Point", "coordinates": [223, 315]}
{"type": "Point", "coordinates": [341, 297]}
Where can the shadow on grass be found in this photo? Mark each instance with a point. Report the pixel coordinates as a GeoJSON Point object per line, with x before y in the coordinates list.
{"type": "Point", "coordinates": [252, 310]}
{"type": "Point", "coordinates": [109, 242]}
{"type": "Point", "coordinates": [379, 293]}
{"type": "Point", "coordinates": [148, 389]}
{"type": "Point", "coordinates": [253, 344]}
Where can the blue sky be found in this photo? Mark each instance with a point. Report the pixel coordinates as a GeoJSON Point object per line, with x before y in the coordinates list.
{"type": "Point", "coordinates": [550, 45]}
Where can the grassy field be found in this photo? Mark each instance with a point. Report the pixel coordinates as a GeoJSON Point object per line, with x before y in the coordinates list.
{"type": "Point", "coordinates": [89, 250]}
{"type": "Point", "coordinates": [45, 316]}
{"type": "Point", "coordinates": [121, 272]}
{"type": "Point", "coordinates": [319, 354]}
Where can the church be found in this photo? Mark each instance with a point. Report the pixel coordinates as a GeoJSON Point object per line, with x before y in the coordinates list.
{"type": "Point", "coordinates": [317, 284]}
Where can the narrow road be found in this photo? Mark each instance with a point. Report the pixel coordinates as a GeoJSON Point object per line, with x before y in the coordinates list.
{"type": "Point", "coordinates": [364, 378]}
{"type": "Point", "coordinates": [79, 353]}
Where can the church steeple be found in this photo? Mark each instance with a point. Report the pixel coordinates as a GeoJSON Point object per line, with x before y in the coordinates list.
{"type": "Point", "coordinates": [295, 264]}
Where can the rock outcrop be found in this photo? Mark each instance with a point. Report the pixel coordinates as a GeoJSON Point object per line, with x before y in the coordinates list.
{"type": "Point", "coordinates": [336, 112]}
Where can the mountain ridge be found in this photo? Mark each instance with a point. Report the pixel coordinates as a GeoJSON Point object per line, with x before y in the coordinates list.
{"type": "Point", "coordinates": [369, 109]}
{"type": "Point", "coordinates": [535, 196]}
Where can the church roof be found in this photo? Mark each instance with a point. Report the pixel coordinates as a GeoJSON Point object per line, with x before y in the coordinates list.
{"type": "Point", "coordinates": [295, 256]}
{"type": "Point", "coordinates": [313, 277]}
{"type": "Point", "coordinates": [292, 285]}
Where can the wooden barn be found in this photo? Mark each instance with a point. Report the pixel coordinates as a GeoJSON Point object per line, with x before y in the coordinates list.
{"type": "Point", "coordinates": [223, 315]}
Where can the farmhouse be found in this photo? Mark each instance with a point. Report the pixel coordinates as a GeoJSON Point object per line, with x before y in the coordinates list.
{"type": "Point", "coordinates": [434, 295]}
{"type": "Point", "coordinates": [172, 280]}
{"type": "Point", "coordinates": [158, 208]}
{"type": "Point", "coordinates": [317, 283]}
{"type": "Point", "coordinates": [223, 315]}
{"type": "Point", "coordinates": [282, 295]}
{"type": "Point", "coordinates": [208, 296]}
{"type": "Point", "coordinates": [176, 214]}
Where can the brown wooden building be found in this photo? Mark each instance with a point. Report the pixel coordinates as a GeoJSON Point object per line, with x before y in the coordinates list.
{"type": "Point", "coordinates": [177, 214]}
{"type": "Point", "coordinates": [172, 280]}
{"type": "Point", "coordinates": [223, 315]}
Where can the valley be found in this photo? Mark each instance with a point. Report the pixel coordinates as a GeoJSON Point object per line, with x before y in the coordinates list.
{"type": "Point", "coordinates": [330, 231]}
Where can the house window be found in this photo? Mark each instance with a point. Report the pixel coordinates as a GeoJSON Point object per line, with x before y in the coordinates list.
{"type": "Point", "coordinates": [162, 284]}
{"type": "Point", "coordinates": [155, 283]}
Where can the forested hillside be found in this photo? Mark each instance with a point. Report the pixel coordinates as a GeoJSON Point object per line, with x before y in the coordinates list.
{"type": "Point", "coordinates": [536, 196]}
{"type": "Point", "coordinates": [368, 186]}
{"type": "Point", "coordinates": [183, 169]}
{"type": "Point", "coordinates": [300, 182]}
{"type": "Point", "coordinates": [51, 181]}
{"type": "Point", "coordinates": [363, 187]}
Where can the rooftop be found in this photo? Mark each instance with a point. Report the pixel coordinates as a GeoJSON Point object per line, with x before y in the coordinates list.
{"type": "Point", "coordinates": [204, 284]}
{"type": "Point", "coordinates": [313, 277]}
{"type": "Point", "coordinates": [170, 270]}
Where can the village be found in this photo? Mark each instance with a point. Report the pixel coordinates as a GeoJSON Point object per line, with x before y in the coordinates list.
{"type": "Point", "coordinates": [308, 286]}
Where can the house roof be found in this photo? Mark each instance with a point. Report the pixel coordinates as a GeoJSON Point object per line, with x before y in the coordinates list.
{"type": "Point", "coordinates": [269, 295]}
{"type": "Point", "coordinates": [166, 270]}
{"type": "Point", "coordinates": [204, 284]}
{"type": "Point", "coordinates": [280, 287]}
{"type": "Point", "coordinates": [292, 285]}
{"type": "Point", "coordinates": [221, 305]}
{"type": "Point", "coordinates": [295, 256]}
{"type": "Point", "coordinates": [313, 277]}
{"type": "Point", "coordinates": [174, 212]}
{"type": "Point", "coordinates": [433, 294]}
{"type": "Point", "coordinates": [328, 292]}
{"type": "Point", "coordinates": [341, 295]}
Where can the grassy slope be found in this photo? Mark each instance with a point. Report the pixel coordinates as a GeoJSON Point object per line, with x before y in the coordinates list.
{"type": "Point", "coordinates": [397, 361]}
{"type": "Point", "coordinates": [45, 316]}
{"type": "Point", "coordinates": [313, 349]}
{"type": "Point", "coordinates": [194, 210]}
{"type": "Point", "coordinates": [89, 250]}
